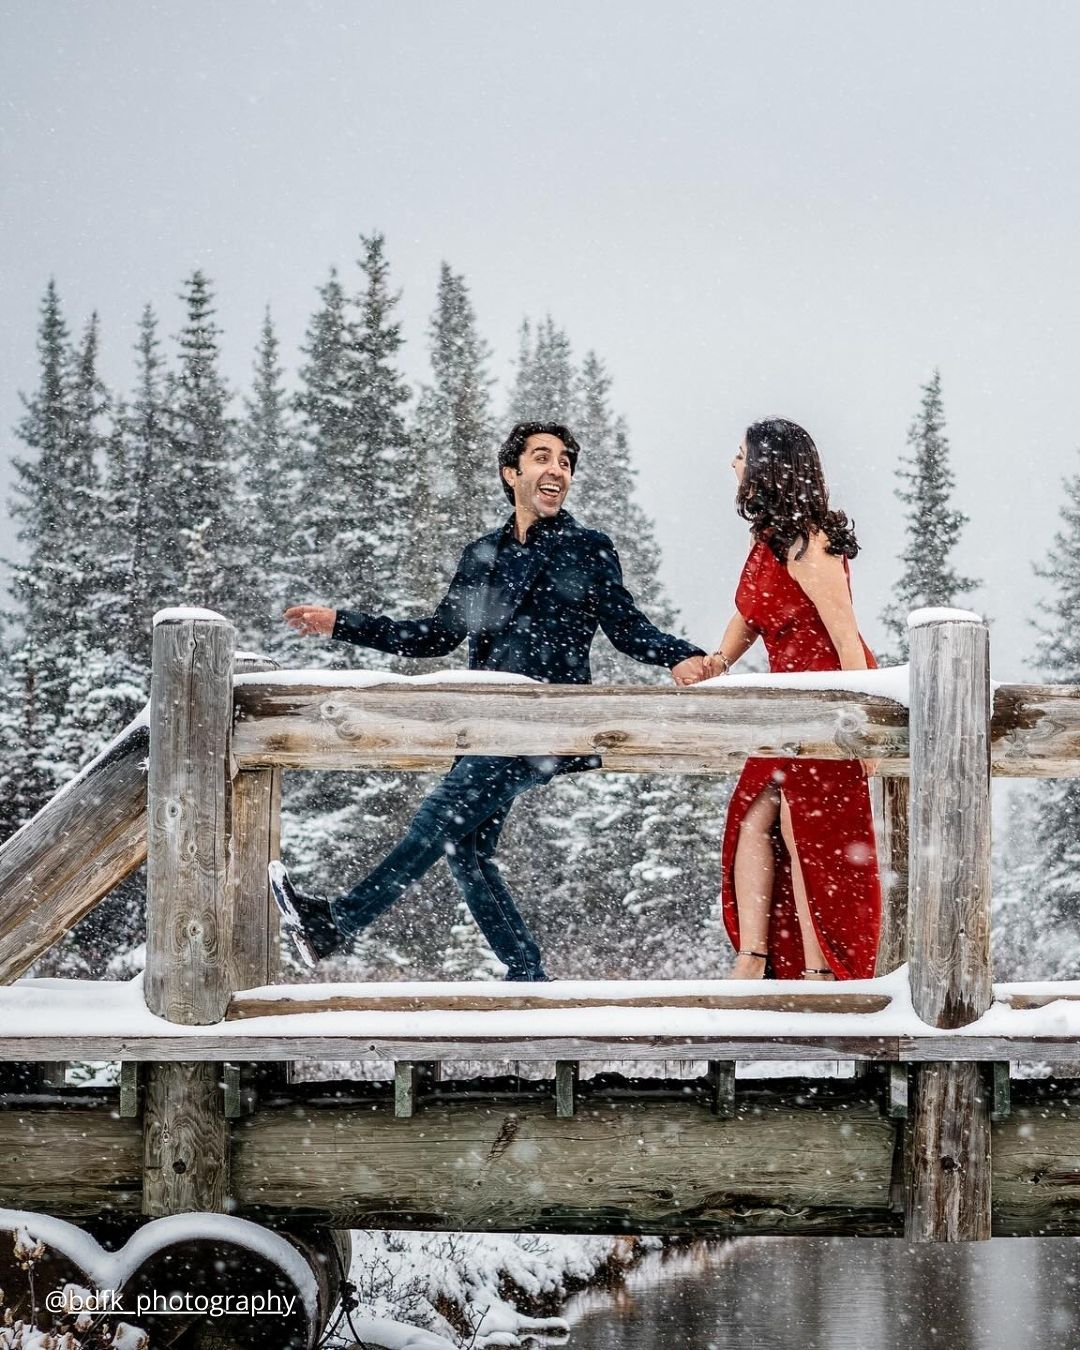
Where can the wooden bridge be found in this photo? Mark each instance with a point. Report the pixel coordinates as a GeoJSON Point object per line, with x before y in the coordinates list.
{"type": "Point", "coordinates": [931, 1139]}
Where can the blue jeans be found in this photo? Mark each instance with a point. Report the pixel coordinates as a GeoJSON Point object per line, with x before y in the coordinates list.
{"type": "Point", "coordinates": [460, 820]}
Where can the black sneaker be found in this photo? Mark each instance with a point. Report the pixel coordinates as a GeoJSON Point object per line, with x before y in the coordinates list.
{"type": "Point", "coordinates": [522, 977]}
{"type": "Point", "coordinates": [305, 918]}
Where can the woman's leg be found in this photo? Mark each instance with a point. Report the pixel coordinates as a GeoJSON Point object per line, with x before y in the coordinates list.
{"type": "Point", "coordinates": [755, 864]}
{"type": "Point", "coordinates": [813, 957]}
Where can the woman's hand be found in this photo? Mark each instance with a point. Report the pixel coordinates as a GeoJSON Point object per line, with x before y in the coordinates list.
{"type": "Point", "coordinates": [716, 663]}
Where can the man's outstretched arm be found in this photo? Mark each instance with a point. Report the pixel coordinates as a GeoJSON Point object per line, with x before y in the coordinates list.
{"type": "Point", "coordinates": [631, 632]}
{"type": "Point", "coordinates": [434, 635]}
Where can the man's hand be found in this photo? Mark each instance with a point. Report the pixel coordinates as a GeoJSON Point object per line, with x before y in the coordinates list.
{"type": "Point", "coordinates": [689, 671]}
{"type": "Point", "coordinates": [311, 620]}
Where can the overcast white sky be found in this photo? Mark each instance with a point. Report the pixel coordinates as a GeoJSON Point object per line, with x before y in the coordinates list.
{"type": "Point", "coordinates": [745, 209]}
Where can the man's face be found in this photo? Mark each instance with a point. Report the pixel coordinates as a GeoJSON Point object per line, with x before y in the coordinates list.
{"type": "Point", "coordinates": [542, 478]}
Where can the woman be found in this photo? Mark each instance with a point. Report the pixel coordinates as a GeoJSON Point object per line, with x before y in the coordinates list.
{"type": "Point", "coordinates": [801, 892]}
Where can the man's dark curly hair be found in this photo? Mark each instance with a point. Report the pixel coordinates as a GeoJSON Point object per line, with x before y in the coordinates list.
{"type": "Point", "coordinates": [783, 493]}
{"type": "Point", "coordinates": [512, 448]}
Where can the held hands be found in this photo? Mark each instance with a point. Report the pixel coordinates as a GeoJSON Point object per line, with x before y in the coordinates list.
{"type": "Point", "coordinates": [689, 671]}
{"type": "Point", "coordinates": [311, 620]}
{"type": "Point", "coordinates": [697, 668]}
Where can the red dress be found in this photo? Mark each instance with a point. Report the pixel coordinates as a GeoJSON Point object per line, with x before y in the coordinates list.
{"type": "Point", "coordinates": [829, 800]}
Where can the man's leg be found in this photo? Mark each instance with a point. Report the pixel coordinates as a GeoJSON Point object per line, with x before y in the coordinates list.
{"type": "Point", "coordinates": [490, 902]}
{"type": "Point", "coordinates": [473, 791]}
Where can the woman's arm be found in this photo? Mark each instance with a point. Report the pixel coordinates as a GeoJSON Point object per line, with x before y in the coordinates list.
{"type": "Point", "coordinates": [738, 638]}
{"type": "Point", "coordinates": [824, 579]}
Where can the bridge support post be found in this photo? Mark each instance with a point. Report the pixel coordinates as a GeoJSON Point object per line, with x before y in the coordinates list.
{"type": "Point", "coordinates": [947, 1148]}
{"type": "Point", "coordinates": [189, 910]}
{"type": "Point", "coordinates": [892, 800]}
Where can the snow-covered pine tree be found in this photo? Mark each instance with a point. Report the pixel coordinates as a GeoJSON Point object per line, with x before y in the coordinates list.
{"type": "Point", "coordinates": [156, 545]}
{"type": "Point", "coordinates": [322, 406]}
{"type": "Point", "coordinates": [932, 524]}
{"type": "Point", "coordinates": [545, 379]}
{"type": "Point", "coordinates": [44, 630]}
{"type": "Point", "coordinates": [369, 548]}
{"type": "Point", "coordinates": [356, 471]}
{"type": "Point", "coordinates": [202, 488]}
{"type": "Point", "coordinates": [1045, 930]}
{"type": "Point", "coordinates": [268, 501]}
{"type": "Point", "coordinates": [454, 442]}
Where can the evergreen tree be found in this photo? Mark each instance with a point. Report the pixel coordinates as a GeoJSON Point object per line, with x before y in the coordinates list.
{"type": "Point", "coordinates": [371, 544]}
{"type": "Point", "coordinates": [544, 381]}
{"type": "Point", "coordinates": [202, 487]}
{"type": "Point", "coordinates": [268, 503]}
{"type": "Point", "coordinates": [357, 485]}
{"type": "Point", "coordinates": [156, 547]}
{"type": "Point", "coordinates": [323, 407]}
{"type": "Point", "coordinates": [57, 473]}
{"type": "Point", "coordinates": [1044, 859]}
{"type": "Point", "coordinates": [932, 524]}
{"type": "Point", "coordinates": [453, 440]}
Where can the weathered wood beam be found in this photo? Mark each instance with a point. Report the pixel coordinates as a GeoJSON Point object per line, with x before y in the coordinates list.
{"type": "Point", "coordinates": [256, 831]}
{"type": "Point", "coordinates": [290, 725]}
{"type": "Point", "coordinates": [722, 1088]}
{"type": "Point", "coordinates": [76, 1162]}
{"type": "Point", "coordinates": [243, 1007]}
{"type": "Point", "coordinates": [947, 1145]}
{"type": "Point", "coordinates": [893, 798]}
{"type": "Point", "coordinates": [949, 845]}
{"type": "Point", "coordinates": [185, 1140]}
{"type": "Point", "coordinates": [655, 1164]}
{"type": "Point", "coordinates": [222, 1046]}
{"type": "Point", "coordinates": [1035, 730]}
{"type": "Point", "coordinates": [84, 842]}
{"type": "Point", "coordinates": [189, 805]}
{"type": "Point", "coordinates": [191, 886]}
{"type": "Point", "coordinates": [566, 1086]}
{"type": "Point", "coordinates": [947, 1152]}
{"type": "Point", "coordinates": [631, 1166]}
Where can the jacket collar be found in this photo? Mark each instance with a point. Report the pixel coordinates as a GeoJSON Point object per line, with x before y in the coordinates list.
{"type": "Point", "coordinates": [542, 529]}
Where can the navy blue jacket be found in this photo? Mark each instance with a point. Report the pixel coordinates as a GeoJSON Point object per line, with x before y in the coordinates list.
{"type": "Point", "coordinates": [540, 621]}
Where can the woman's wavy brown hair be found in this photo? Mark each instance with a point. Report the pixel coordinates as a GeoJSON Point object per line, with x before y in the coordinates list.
{"type": "Point", "coordinates": [783, 493]}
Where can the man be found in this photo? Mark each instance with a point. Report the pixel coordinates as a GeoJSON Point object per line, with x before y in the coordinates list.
{"type": "Point", "coordinates": [529, 597]}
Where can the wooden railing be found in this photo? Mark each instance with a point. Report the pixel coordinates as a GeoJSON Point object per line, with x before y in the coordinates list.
{"type": "Point", "coordinates": [206, 818]}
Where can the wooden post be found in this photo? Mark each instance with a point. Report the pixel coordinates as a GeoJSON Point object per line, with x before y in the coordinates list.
{"type": "Point", "coordinates": [566, 1083]}
{"type": "Point", "coordinates": [189, 815]}
{"type": "Point", "coordinates": [256, 839]}
{"type": "Point", "coordinates": [948, 1143]}
{"type": "Point", "coordinates": [189, 966]}
{"type": "Point", "coordinates": [722, 1088]}
{"type": "Point", "coordinates": [185, 1140]}
{"type": "Point", "coordinates": [893, 797]}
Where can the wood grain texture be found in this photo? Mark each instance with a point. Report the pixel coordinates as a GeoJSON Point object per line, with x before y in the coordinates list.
{"type": "Point", "coordinates": [566, 1086]}
{"type": "Point", "coordinates": [947, 1155]}
{"type": "Point", "coordinates": [894, 803]}
{"type": "Point", "coordinates": [256, 793]}
{"type": "Point", "coordinates": [189, 818]}
{"type": "Point", "coordinates": [231, 1044]}
{"type": "Point", "coordinates": [185, 1140]}
{"type": "Point", "coordinates": [949, 847]}
{"type": "Point", "coordinates": [242, 1008]}
{"type": "Point", "coordinates": [422, 726]}
{"type": "Point", "coordinates": [74, 851]}
{"type": "Point", "coordinates": [1035, 731]}
{"type": "Point", "coordinates": [633, 1166]}
{"type": "Point", "coordinates": [78, 1162]}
